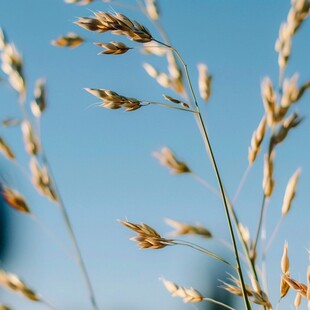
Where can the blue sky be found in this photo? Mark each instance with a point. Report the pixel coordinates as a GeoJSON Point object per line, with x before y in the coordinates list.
{"type": "Point", "coordinates": [103, 163]}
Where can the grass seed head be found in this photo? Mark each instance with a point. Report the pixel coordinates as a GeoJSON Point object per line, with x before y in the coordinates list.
{"type": "Point", "coordinates": [69, 40]}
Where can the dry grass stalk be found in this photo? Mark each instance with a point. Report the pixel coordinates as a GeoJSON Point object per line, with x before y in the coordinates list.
{"type": "Point", "coordinates": [204, 82]}
{"type": "Point", "coordinates": [38, 104]}
{"type": "Point", "coordinates": [187, 294]}
{"type": "Point", "coordinates": [4, 307]}
{"type": "Point", "coordinates": [112, 100]}
{"type": "Point", "coordinates": [152, 9]}
{"type": "Point", "coordinates": [167, 158]}
{"type": "Point", "coordinates": [118, 24]}
{"type": "Point", "coordinates": [12, 282]}
{"type": "Point", "coordinates": [268, 181]}
{"type": "Point", "coordinates": [257, 296]}
{"type": "Point", "coordinates": [269, 100]}
{"type": "Point", "coordinates": [32, 144]}
{"type": "Point", "coordinates": [290, 192]}
{"type": "Point", "coordinates": [113, 48]}
{"type": "Point", "coordinates": [71, 39]}
{"type": "Point", "coordinates": [14, 199]}
{"type": "Point", "coordinates": [298, 13]}
{"type": "Point", "coordinates": [42, 181]}
{"type": "Point", "coordinates": [147, 237]}
{"type": "Point", "coordinates": [187, 229]}
{"type": "Point", "coordinates": [257, 138]}
{"type": "Point", "coordinates": [6, 150]}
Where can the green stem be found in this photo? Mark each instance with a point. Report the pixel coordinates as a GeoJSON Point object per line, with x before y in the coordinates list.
{"type": "Point", "coordinates": [212, 158]}
{"type": "Point", "coordinates": [254, 244]}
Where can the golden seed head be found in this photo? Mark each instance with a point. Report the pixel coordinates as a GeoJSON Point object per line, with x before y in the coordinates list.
{"type": "Point", "coordinates": [204, 82]}
{"type": "Point", "coordinates": [113, 48]}
{"type": "Point", "coordinates": [6, 150]}
{"type": "Point", "coordinates": [152, 9]}
{"type": "Point", "coordinates": [31, 142]}
{"type": "Point", "coordinates": [38, 104]}
{"type": "Point", "coordinates": [285, 263]}
{"type": "Point", "coordinates": [14, 199]}
{"type": "Point", "coordinates": [167, 158]}
{"type": "Point", "coordinates": [69, 40]}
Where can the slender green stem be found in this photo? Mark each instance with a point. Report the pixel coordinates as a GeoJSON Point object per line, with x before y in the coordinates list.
{"type": "Point", "coordinates": [218, 303]}
{"type": "Point", "coordinates": [72, 236]}
{"type": "Point", "coordinates": [262, 209]}
{"type": "Point", "coordinates": [203, 250]}
{"type": "Point", "coordinates": [212, 158]}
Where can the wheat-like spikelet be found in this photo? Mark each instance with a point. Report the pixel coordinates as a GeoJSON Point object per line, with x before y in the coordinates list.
{"type": "Point", "coordinates": [113, 48]}
{"type": "Point", "coordinates": [42, 181]}
{"type": "Point", "coordinates": [154, 48]}
{"type": "Point", "coordinates": [118, 24]}
{"type": "Point", "coordinates": [257, 138]}
{"type": "Point", "coordinates": [14, 199]}
{"type": "Point", "coordinates": [12, 282]}
{"type": "Point", "coordinates": [290, 122]}
{"type": "Point", "coordinates": [297, 300]}
{"type": "Point", "coordinates": [177, 101]}
{"type": "Point", "coordinates": [298, 13]}
{"type": "Point", "coordinates": [38, 104]}
{"type": "Point", "coordinates": [6, 150]}
{"type": "Point", "coordinates": [11, 122]}
{"type": "Point", "coordinates": [187, 294]}
{"type": "Point", "coordinates": [12, 66]}
{"type": "Point", "coordinates": [245, 234]}
{"type": "Point", "coordinates": [71, 39]}
{"type": "Point", "coordinates": [256, 296]}
{"type": "Point", "coordinates": [204, 82]}
{"type": "Point", "coordinates": [296, 285]}
{"type": "Point", "coordinates": [175, 72]}
{"type": "Point", "coordinates": [268, 181]}
{"type": "Point", "coordinates": [31, 142]}
{"type": "Point", "coordinates": [290, 192]}
{"type": "Point", "coordinates": [167, 158]}
{"type": "Point", "coordinates": [152, 9]}
{"type": "Point", "coordinates": [269, 100]}
{"type": "Point", "coordinates": [188, 229]}
{"type": "Point", "coordinates": [112, 100]}
{"type": "Point", "coordinates": [147, 238]}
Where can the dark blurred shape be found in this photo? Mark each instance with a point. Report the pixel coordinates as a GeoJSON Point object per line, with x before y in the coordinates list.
{"type": "Point", "coordinates": [4, 224]}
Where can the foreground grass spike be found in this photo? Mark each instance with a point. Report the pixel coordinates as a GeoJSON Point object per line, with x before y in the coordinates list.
{"type": "Point", "coordinates": [187, 294]}
{"type": "Point", "coordinates": [112, 100]}
{"type": "Point", "coordinates": [42, 181]}
{"type": "Point", "coordinates": [290, 192]}
{"type": "Point", "coordinates": [6, 150]}
{"type": "Point", "coordinates": [187, 229]}
{"type": "Point", "coordinates": [285, 268]}
{"type": "Point", "coordinates": [71, 39]}
{"type": "Point", "coordinates": [160, 77]}
{"type": "Point", "coordinates": [4, 307]}
{"type": "Point", "coordinates": [147, 237]}
{"type": "Point", "coordinates": [167, 158]}
{"type": "Point", "coordinates": [256, 295]}
{"type": "Point", "coordinates": [31, 142]}
{"type": "Point", "coordinates": [269, 100]}
{"type": "Point", "coordinates": [257, 138]}
{"type": "Point", "coordinates": [14, 199]}
{"type": "Point", "coordinates": [118, 24]}
{"type": "Point", "coordinates": [204, 82]}
{"type": "Point", "coordinates": [38, 104]}
{"type": "Point", "coordinates": [268, 180]}
{"type": "Point", "coordinates": [113, 48]}
{"type": "Point", "coordinates": [12, 282]}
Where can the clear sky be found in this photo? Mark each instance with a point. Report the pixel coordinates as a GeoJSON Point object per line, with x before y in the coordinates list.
{"type": "Point", "coordinates": [102, 159]}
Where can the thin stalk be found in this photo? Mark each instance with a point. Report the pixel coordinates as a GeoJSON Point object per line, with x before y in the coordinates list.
{"type": "Point", "coordinates": [169, 106]}
{"type": "Point", "coordinates": [254, 244]}
{"type": "Point", "coordinates": [203, 250]}
{"type": "Point", "coordinates": [218, 303]}
{"type": "Point", "coordinates": [205, 184]}
{"type": "Point", "coordinates": [67, 221]}
{"type": "Point", "coordinates": [73, 239]}
{"type": "Point", "coordinates": [273, 234]}
{"type": "Point", "coordinates": [212, 158]}
{"type": "Point", "coordinates": [241, 184]}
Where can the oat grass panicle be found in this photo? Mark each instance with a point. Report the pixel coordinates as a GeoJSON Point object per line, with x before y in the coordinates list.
{"type": "Point", "coordinates": [181, 84]}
